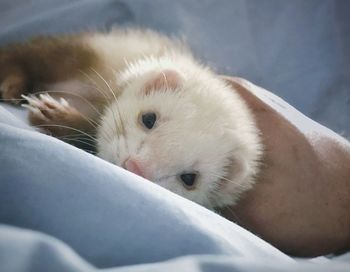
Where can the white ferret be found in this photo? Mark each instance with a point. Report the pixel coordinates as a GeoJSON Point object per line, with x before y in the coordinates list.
{"type": "Point", "coordinates": [152, 108]}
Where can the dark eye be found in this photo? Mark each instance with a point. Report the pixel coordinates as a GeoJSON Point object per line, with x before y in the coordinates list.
{"type": "Point", "coordinates": [149, 119]}
{"type": "Point", "coordinates": [188, 179]}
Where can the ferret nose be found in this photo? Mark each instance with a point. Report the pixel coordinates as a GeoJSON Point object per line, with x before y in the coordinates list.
{"type": "Point", "coordinates": [134, 167]}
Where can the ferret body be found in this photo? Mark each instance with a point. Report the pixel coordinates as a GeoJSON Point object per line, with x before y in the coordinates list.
{"type": "Point", "coordinates": [153, 109]}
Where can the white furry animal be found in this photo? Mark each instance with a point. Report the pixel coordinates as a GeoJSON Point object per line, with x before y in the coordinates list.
{"type": "Point", "coordinates": [153, 108]}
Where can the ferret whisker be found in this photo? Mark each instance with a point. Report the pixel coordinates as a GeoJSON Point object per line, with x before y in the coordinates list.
{"type": "Point", "coordinates": [101, 91]}
{"type": "Point", "coordinates": [11, 99]}
{"type": "Point", "coordinates": [112, 92]}
{"type": "Point", "coordinates": [105, 97]}
{"type": "Point", "coordinates": [105, 82]}
{"type": "Point", "coordinates": [116, 100]}
{"type": "Point", "coordinates": [228, 180]}
{"type": "Point", "coordinates": [67, 127]}
{"type": "Point", "coordinates": [90, 121]}
{"type": "Point", "coordinates": [88, 151]}
{"type": "Point", "coordinates": [121, 119]}
{"type": "Point", "coordinates": [96, 86]}
{"type": "Point", "coordinates": [77, 136]}
{"type": "Point", "coordinates": [64, 138]}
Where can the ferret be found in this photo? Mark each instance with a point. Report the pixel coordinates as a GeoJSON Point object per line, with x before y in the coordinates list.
{"type": "Point", "coordinates": [146, 102]}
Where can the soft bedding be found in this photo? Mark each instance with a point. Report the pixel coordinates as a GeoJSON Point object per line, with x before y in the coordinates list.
{"type": "Point", "coordinates": [62, 209]}
{"type": "Point", "coordinates": [67, 210]}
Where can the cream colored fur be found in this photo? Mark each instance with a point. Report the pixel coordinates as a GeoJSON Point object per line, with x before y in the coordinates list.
{"type": "Point", "coordinates": [203, 125]}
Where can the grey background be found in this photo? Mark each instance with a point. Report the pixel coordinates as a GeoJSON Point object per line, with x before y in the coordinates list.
{"type": "Point", "coordinates": [298, 49]}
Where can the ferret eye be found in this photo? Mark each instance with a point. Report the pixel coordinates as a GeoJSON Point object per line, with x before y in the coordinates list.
{"type": "Point", "coordinates": [149, 119]}
{"type": "Point", "coordinates": [188, 179]}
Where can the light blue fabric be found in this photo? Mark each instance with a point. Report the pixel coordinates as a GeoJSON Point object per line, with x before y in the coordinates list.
{"type": "Point", "coordinates": [96, 207]}
{"type": "Point", "coordinates": [62, 209]}
{"type": "Point", "coordinates": [110, 217]}
{"type": "Point", "coordinates": [24, 250]}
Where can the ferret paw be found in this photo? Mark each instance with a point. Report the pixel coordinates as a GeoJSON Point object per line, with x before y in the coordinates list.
{"type": "Point", "coordinates": [45, 108]}
{"type": "Point", "coordinates": [11, 89]}
{"type": "Point", "coordinates": [51, 115]}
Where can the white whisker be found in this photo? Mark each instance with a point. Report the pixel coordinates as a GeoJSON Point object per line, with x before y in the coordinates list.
{"type": "Point", "coordinates": [11, 99]}
{"type": "Point", "coordinates": [96, 86]}
{"type": "Point", "coordinates": [228, 180]}
{"type": "Point", "coordinates": [77, 136]}
{"type": "Point", "coordinates": [112, 92]}
{"type": "Point", "coordinates": [68, 127]}
{"type": "Point", "coordinates": [117, 103]}
{"type": "Point", "coordinates": [105, 97]}
{"type": "Point", "coordinates": [76, 140]}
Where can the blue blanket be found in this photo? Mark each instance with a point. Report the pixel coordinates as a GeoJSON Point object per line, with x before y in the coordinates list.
{"type": "Point", "coordinates": [62, 209]}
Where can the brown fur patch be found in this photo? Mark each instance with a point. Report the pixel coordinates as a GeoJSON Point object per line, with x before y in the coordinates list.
{"type": "Point", "coordinates": [46, 60]}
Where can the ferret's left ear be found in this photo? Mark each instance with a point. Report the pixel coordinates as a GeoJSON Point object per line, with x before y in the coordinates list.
{"type": "Point", "coordinates": [164, 80]}
{"type": "Point", "coordinates": [237, 171]}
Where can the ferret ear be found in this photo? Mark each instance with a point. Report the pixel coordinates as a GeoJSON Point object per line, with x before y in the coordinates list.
{"type": "Point", "coordinates": [237, 170]}
{"type": "Point", "coordinates": [166, 79]}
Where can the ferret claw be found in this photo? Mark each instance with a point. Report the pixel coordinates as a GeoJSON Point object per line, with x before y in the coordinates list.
{"type": "Point", "coordinates": [44, 106]}
{"type": "Point", "coordinates": [35, 110]}
{"type": "Point", "coordinates": [32, 100]}
{"type": "Point", "coordinates": [64, 102]}
{"type": "Point", "coordinates": [47, 98]}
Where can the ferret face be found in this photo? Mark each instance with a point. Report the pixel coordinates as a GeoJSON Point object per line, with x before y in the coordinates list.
{"type": "Point", "coordinates": [167, 130]}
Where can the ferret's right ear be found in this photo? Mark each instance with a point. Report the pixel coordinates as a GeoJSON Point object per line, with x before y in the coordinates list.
{"type": "Point", "coordinates": [164, 80]}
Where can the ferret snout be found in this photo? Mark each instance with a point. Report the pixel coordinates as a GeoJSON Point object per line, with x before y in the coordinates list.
{"type": "Point", "coordinates": [135, 167]}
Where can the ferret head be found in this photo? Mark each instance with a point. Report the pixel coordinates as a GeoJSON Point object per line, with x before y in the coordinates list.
{"type": "Point", "coordinates": [182, 129]}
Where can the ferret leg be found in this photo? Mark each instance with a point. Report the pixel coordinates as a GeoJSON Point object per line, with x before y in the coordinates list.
{"type": "Point", "coordinates": [29, 67]}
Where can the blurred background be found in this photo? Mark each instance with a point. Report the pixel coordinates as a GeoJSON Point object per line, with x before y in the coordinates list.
{"type": "Point", "coordinates": [298, 49]}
